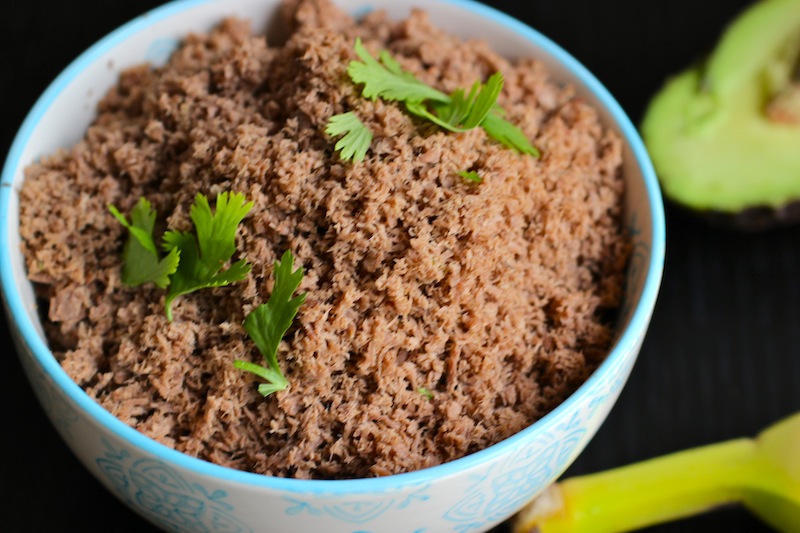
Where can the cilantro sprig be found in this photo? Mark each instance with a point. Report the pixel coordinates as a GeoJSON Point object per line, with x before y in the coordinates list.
{"type": "Point", "coordinates": [458, 111]}
{"type": "Point", "coordinates": [268, 323]}
{"type": "Point", "coordinates": [196, 261]}
{"type": "Point", "coordinates": [141, 261]}
{"type": "Point", "coordinates": [192, 262]}
{"type": "Point", "coordinates": [203, 255]}
{"type": "Point", "coordinates": [357, 136]}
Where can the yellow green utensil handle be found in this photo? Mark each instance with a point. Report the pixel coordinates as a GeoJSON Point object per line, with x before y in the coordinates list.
{"type": "Point", "coordinates": [646, 493]}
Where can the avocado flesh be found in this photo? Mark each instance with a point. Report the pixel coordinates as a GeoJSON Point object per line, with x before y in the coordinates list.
{"type": "Point", "coordinates": [707, 131]}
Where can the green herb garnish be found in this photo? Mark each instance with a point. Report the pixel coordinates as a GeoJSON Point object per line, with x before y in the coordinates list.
{"type": "Point", "coordinates": [140, 260]}
{"type": "Point", "coordinates": [508, 134]}
{"type": "Point", "coordinates": [386, 79]}
{"type": "Point", "coordinates": [459, 111]}
{"type": "Point", "coordinates": [203, 256]}
{"type": "Point", "coordinates": [463, 111]}
{"type": "Point", "coordinates": [267, 324]}
{"type": "Point", "coordinates": [425, 392]}
{"type": "Point", "coordinates": [357, 136]}
{"type": "Point", "coordinates": [470, 175]}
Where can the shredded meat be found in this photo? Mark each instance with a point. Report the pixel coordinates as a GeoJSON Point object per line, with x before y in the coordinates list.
{"type": "Point", "coordinates": [497, 297]}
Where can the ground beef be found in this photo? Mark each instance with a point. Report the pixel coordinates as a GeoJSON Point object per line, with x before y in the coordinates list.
{"type": "Point", "coordinates": [497, 297]}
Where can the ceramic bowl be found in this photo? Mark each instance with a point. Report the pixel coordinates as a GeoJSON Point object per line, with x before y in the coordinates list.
{"type": "Point", "coordinates": [185, 494]}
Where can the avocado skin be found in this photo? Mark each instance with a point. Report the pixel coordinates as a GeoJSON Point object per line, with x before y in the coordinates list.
{"type": "Point", "coordinates": [713, 147]}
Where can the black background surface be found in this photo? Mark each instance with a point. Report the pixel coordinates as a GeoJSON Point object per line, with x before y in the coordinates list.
{"type": "Point", "coordinates": [721, 359]}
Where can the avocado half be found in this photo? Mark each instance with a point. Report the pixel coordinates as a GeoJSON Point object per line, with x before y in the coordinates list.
{"type": "Point", "coordinates": [724, 136]}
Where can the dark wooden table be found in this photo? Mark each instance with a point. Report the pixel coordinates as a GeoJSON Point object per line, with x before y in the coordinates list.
{"type": "Point", "coordinates": [721, 360]}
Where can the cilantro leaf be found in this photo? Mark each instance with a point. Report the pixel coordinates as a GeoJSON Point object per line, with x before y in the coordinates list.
{"type": "Point", "coordinates": [462, 112]}
{"type": "Point", "coordinates": [426, 392]}
{"type": "Point", "coordinates": [141, 262]}
{"type": "Point", "coordinates": [268, 323]}
{"type": "Point", "coordinates": [387, 80]}
{"type": "Point", "coordinates": [457, 112]}
{"type": "Point", "coordinates": [508, 134]}
{"type": "Point", "coordinates": [357, 136]}
{"type": "Point", "coordinates": [453, 113]}
{"type": "Point", "coordinates": [421, 110]}
{"type": "Point", "coordinates": [470, 175]}
{"type": "Point", "coordinates": [204, 255]}
{"type": "Point", "coordinates": [484, 101]}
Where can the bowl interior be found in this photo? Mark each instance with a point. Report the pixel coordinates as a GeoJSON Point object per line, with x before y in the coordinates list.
{"type": "Point", "coordinates": [67, 107]}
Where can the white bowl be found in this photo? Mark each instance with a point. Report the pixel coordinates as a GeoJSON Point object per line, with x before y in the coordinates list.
{"type": "Point", "coordinates": [181, 493]}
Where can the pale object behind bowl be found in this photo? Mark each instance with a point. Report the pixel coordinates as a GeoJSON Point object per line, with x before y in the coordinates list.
{"type": "Point", "coordinates": [184, 494]}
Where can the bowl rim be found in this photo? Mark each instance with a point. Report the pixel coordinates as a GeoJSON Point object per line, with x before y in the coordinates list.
{"type": "Point", "coordinates": [626, 342]}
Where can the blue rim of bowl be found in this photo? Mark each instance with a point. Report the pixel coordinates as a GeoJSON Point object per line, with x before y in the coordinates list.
{"type": "Point", "coordinates": [626, 342]}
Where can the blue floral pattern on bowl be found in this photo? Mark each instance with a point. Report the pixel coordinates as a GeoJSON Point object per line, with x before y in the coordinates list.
{"type": "Point", "coordinates": [504, 487]}
{"type": "Point", "coordinates": [163, 496]}
{"type": "Point", "coordinates": [358, 510]}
